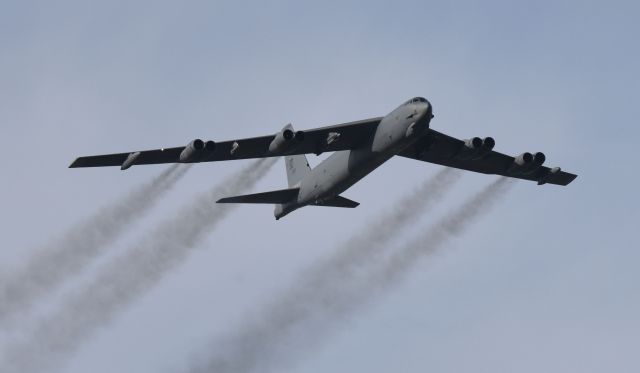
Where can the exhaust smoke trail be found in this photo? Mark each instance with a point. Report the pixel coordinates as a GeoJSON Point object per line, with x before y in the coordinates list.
{"type": "Point", "coordinates": [451, 226]}
{"type": "Point", "coordinates": [296, 322]}
{"type": "Point", "coordinates": [127, 277]}
{"type": "Point", "coordinates": [253, 346]}
{"type": "Point", "coordinates": [51, 266]}
{"type": "Point", "coordinates": [371, 243]}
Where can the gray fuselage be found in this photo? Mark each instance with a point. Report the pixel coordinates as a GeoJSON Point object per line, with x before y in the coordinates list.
{"type": "Point", "coordinates": [396, 131]}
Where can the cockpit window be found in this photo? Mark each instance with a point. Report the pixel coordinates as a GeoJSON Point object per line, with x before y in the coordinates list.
{"type": "Point", "coordinates": [416, 99]}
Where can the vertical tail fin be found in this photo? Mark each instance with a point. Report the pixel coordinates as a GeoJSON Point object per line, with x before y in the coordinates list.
{"type": "Point", "coordinates": [297, 167]}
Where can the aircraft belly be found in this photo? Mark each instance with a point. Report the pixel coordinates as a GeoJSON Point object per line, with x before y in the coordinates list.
{"type": "Point", "coordinates": [338, 173]}
{"type": "Point", "coordinates": [345, 168]}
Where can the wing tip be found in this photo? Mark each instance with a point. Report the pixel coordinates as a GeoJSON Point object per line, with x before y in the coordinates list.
{"type": "Point", "coordinates": [76, 163]}
{"type": "Point", "coordinates": [560, 178]}
{"type": "Point", "coordinates": [567, 179]}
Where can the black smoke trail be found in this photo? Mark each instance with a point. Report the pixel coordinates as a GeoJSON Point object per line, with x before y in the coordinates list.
{"type": "Point", "coordinates": [127, 277]}
{"type": "Point", "coordinates": [295, 322]}
{"type": "Point", "coordinates": [50, 266]}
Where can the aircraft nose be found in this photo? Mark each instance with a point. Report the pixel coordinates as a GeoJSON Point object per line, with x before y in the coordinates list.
{"type": "Point", "coordinates": [427, 110]}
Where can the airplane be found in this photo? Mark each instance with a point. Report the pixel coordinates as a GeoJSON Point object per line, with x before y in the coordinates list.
{"type": "Point", "coordinates": [358, 148]}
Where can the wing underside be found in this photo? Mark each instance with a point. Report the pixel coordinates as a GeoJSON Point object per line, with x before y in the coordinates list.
{"type": "Point", "coordinates": [435, 147]}
{"type": "Point", "coordinates": [448, 151]}
{"type": "Point", "coordinates": [325, 139]}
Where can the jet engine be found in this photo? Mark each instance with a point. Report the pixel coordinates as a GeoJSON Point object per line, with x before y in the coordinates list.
{"type": "Point", "coordinates": [196, 149]}
{"type": "Point", "coordinates": [488, 143]}
{"type": "Point", "coordinates": [539, 158]}
{"type": "Point", "coordinates": [286, 140]}
{"type": "Point", "coordinates": [524, 159]}
{"type": "Point", "coordinates": [527, 163]}
{"type": "Point", "coordinates": [476, 148]}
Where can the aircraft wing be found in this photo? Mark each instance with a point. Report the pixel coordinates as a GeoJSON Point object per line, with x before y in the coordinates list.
{"type": "Point", "coordinates": [477, 155]}
{"type": "Point", "coordinates": [325, 139]}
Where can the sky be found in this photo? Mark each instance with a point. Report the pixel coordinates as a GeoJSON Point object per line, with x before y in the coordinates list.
{"type": "Point", "coordinates": [548, 280]}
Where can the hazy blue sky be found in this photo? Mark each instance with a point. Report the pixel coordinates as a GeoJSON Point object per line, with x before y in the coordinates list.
{"type": "Point", "coordinates": [547, 282]}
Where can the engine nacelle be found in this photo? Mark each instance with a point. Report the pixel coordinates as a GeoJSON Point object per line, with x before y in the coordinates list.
{"type": "Point", "coordinates": [130, 161]}
{"type": "Point", "coordinates": [285, 140]}
{"type": "Point", "coordinates": [210, 146]}
{"type": "Point", "coordinates": [524, 159]}
{"type": "Point", "coordinates": [539, 158]}
{"type": "Point", "coordinates": [476, 148]}
{"type": "Point", "coordinates": [488, 143]}
{"type": "Point", "coordinates": [196, 150]}
{"type": "Point", "coordinates": [473, 143]}
{"type": "Point", "coordinates": [192, 150]}
{"type": "Point", "coordinates": [527, 163]}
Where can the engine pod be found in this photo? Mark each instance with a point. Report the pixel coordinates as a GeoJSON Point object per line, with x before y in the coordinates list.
{"type": "Point", "coordinates": [191, 152]}
{"type": "Point", "coordinates": [523, 159]}
{"type": "Point", "coordinates": [130, 161]}
{"type": "Point", "coordinates": [539, 158]}
{"type": "Point", "coordinates": [488, 143]}
{"type": "Point", "coordinates": [286, 140]}
{"type": "Point", "coordinates": [473, 143]}
{"type": "Point", "coordinates": [527, 163]}
{"type": "Point", "coordinates": [475, 148]}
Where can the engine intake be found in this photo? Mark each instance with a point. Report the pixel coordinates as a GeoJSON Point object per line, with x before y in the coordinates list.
{"type": "Point", "coordinates": [286, 140]}
{"type": "Point", "coordinates": [527, 163]}
{"type": "Point", "coordinates": [524, 159]}
{"type": "Point", "coordinates": [196, 149]}
{"type": "Point", "coordinates": [539, 158]}
{"type": "Point", "coordinates": [473, 143]}
{"type": "Point", "coordinates": [476, 148]}
{"type": "Point", "coordinates": [488, 143]}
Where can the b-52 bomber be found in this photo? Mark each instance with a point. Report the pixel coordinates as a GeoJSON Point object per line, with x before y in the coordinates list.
{"type": "Point", "coordinates": [358, 148]}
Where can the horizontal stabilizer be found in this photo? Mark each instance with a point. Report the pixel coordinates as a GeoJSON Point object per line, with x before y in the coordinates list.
{"type": "Point", "coordinates": [273, 197]}
{"type": "Point", "coordinates": [338, 202]}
